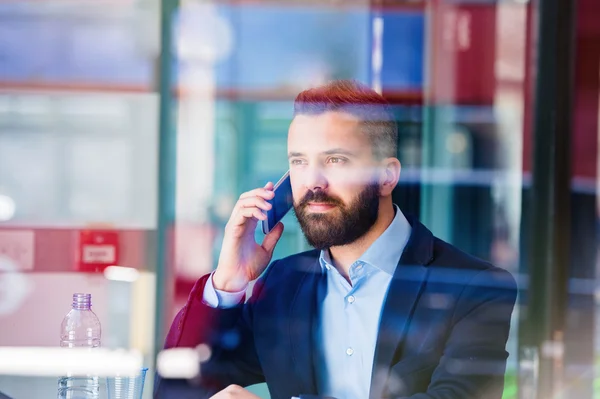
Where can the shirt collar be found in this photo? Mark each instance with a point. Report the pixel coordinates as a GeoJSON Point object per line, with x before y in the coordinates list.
{"type": "Point", "coordinates": [386, 250]}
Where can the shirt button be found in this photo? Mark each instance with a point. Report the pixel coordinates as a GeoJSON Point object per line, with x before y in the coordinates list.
{"type": "Point", "coordinates": [351, 299]}
{"type": "Point", "coordinates": [349, 351]}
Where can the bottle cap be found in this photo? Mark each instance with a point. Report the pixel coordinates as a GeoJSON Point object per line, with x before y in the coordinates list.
{"type": "Point", "coordinates": [82, 301]}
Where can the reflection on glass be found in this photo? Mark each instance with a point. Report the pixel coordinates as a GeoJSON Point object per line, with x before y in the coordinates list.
{"type": "Point", "coordinates": [79, 146]}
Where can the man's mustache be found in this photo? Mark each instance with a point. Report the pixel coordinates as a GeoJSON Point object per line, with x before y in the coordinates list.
{"type": "Point", "coordinates": [320, 197]}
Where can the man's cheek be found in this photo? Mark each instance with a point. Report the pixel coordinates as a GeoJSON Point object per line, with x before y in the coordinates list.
{"type": "Point", "coordinates": [349, 177]}
{"type": "Point", "coordinates": [297, 194]}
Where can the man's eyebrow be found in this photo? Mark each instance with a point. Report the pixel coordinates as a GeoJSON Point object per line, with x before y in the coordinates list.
{"type": "Point", "coordinates": [340, 151]}
{"type": "Point", "coordinates": [333, 151]}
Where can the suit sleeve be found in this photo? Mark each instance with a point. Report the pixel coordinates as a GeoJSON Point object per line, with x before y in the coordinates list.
{"type": "Point", "coordinates": [474, 359]}
{"type": "Point", "coordinates": [228, 334]}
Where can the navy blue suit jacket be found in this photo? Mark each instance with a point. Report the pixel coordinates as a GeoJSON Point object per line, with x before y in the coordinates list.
{"type": "Point", "coordinates": [443, 329]}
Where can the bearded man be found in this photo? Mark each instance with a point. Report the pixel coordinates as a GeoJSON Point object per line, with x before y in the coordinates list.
{"type": "Point", "coordinates": [379, 309]}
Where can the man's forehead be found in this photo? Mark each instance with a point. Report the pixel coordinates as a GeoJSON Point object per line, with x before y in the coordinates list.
{"type": "Point", "coordinates": [326, 119]}
{"type": "Point", "coordinates": [331, 126]}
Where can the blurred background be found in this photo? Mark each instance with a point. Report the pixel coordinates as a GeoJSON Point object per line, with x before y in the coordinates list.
{"type": "Point", "coordinates": [128, 129]}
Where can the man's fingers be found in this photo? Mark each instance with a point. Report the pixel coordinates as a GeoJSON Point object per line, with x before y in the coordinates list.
{"type": "Point", "coordinates": [254, 212]}
{"type": "Point", "coordinates": [250, 207]}
{"type": "Point", "coordinates": [272, 238]}
{"type": "Point", "coordinates": [265, 192]}
{"type": "Point", "coordinates": [243, 214]}
{"type": "Point", "coordinates": [254, 202]}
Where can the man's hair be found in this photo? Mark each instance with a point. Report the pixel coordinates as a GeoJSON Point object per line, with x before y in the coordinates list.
{"type": "Point", "coordinates": [360, 101]}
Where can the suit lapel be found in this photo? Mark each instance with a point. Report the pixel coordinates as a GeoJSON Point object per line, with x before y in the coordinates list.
{"type": "Point", "coordinates": [403, 294]}
{"type": "Point", "coordinates": [303, 312]}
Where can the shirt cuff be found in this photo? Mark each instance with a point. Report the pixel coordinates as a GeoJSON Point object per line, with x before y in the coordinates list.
{"type": "Point", "coordinates": [220, 299]}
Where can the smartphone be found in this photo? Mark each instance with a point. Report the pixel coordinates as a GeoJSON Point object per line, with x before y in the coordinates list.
{"type": "Point", "coordinates": [282, 202]}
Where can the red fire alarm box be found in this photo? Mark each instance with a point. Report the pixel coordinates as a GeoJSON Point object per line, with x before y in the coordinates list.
{"type": "Point", "coordinates": [98, 249]}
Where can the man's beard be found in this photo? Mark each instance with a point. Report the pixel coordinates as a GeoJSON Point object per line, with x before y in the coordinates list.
{"type": "Point", "coordinates": [341, 225]}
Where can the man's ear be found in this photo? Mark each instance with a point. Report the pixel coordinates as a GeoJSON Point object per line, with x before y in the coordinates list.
{"type": "Point", "coordinates": [390, 174]}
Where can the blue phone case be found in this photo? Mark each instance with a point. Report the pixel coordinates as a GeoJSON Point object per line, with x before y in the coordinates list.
{"type": "Point", "coordinates": [282, 202]}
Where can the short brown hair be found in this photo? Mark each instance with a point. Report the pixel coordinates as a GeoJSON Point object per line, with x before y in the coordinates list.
{"type": "Point", "coordinates": [360, 101]}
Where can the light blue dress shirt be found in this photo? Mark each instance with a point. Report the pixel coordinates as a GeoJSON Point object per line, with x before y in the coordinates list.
{"type": "Point", "coordinates": [350, 314]}
{"type": "Point", "coordinates": [347, 331]}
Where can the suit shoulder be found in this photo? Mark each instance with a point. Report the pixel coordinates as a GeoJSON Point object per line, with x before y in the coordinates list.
{"type": "Point", "coordinates": [447, 255]}
{"type": "Point", "coordinates": [448, 258]}
{"type": "Point", "coordinates": [281, 271]}
{"type": "Point", "coordinates": [303, 261]}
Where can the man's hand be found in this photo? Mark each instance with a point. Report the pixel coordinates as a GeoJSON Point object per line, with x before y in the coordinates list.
{"type": "Point", "coordinates": [234, 392]}
{"type": "Point", "coordinates": [242, 260]}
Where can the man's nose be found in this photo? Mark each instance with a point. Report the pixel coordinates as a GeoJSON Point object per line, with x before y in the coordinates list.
{"type": "Point", "coordinates": [315, 179]}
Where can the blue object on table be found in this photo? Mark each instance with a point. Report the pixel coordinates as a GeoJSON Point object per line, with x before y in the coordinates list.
{"type": "Point", "coordinates": [126, 387]}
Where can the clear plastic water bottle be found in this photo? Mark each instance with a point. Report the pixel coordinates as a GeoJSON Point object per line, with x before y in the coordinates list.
{"type": "Point", "coordinates": [80, 328]}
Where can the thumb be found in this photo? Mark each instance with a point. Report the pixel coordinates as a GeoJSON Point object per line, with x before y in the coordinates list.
{"type": "Point", "coordinates": [272, 238]}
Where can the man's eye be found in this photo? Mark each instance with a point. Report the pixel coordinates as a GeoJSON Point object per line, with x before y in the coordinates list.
{"type": "Point", "coordinates": [336, 160]}
{"type": "Point", "coordinates": [296, 162]}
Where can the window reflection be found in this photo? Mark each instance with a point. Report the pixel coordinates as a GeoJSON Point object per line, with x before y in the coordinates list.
{"type": "Point", "coordinates": [79, 144]}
